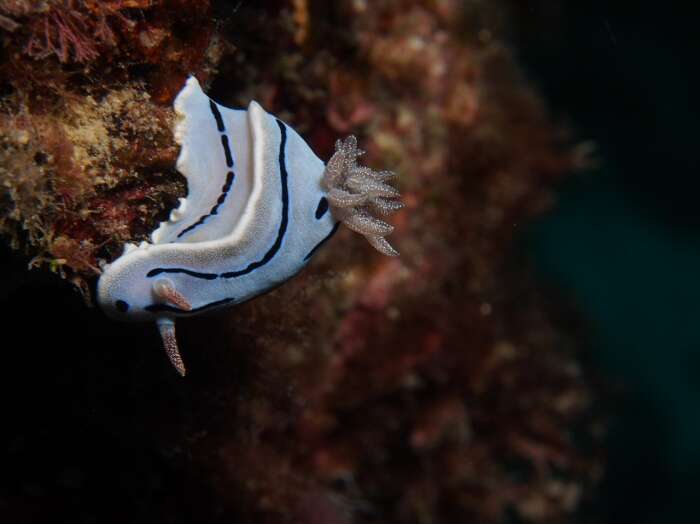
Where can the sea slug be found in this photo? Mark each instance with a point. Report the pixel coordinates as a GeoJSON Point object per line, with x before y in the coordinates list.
{"type": "Point", "coordinates": [259, 205]}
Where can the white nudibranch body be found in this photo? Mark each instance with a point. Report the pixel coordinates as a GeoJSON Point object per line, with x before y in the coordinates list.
{"type": "Point", "coordinates": [256, 211]}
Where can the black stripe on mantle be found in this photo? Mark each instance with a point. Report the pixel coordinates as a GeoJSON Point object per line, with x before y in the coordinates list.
{"type": "Point", "coordinates": [229, 176]}
{"type": "Point", "coordinates": [280, 233]}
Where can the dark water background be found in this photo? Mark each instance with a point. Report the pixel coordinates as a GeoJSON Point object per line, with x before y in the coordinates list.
{"type": "Point", "coordinates": [624, 242]}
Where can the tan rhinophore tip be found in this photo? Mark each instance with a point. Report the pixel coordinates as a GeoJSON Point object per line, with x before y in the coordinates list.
{"type": "Point", "coordinates": [166, 292]}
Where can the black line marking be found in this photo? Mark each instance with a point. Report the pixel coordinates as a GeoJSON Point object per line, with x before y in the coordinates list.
{"type": "Point", "coordinates": [158, 271]}
{"type": "Point", "coordinates": [157, 308]}
{"type": "Point", "coordinates": [197, 223]}
{"type": "Point", "coordinates": [229, 176]}
{"type": "Point", "coordinates": [214, 210]}
{"type": "Point", "coordinates": [227, 151]}
{"type": "Point", "coordinates": [280, 233]}
{"type": "Point", "coordinates": [285, 213]}
{"type": "Point", "coordinates": [219, 121]}
{"type": "Point", "coordinates": [229, 181]}
{"type": "Point", "coordinates": [322, 207]}
{"type": "Point", "coordinates": [122, 306]}
{"type": "Point", "coordinates": [323, 241]}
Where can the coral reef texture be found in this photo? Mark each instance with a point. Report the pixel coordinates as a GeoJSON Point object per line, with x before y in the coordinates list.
{"type": "Point", "coordinates": [438, 386]}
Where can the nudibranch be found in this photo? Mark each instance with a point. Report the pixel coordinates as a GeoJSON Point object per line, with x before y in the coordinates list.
{"type": "Point", "coordinates": [259, 204]}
